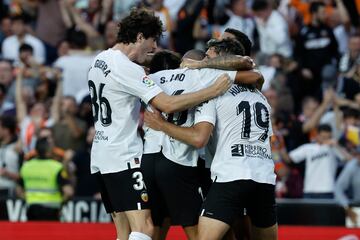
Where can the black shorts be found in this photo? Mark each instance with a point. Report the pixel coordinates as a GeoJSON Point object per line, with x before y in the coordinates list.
{"type": "Point", "coordinates": [123, 191]}
{"type": "Point", "coordinates": [205, 176]}
{"type": "Point", "coordinates": [226, 201]}
{"type": "Point", "coordinates": [175, 185]}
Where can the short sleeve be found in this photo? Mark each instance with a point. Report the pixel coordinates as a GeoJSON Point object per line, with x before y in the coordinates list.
{"type": "Point", "coordinates": [299, 154]}
{"type": "Point", "coordinates": [206, 112]}
{"type": "Point", "coordinates": [137, 83]}
{"type": "Point", "coordinates": [208, 76]}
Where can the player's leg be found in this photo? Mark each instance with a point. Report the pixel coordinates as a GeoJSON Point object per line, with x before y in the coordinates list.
{"type": "Point", "coordinates": [221, 206]}
{"type": "Point", "coordinates": [120, 220]}
{"type": "Point", "coordinates": [156, 201]}
{"type": "Point", "coordinates": [141, 224]}
{"type": "Point", "coordinates": [131, 198]}
{"type": "Point", "coordinates": [262, 212]}
{"type": "Point", "coordinates": [122, 225]}
{"type": "Point", "coordinates": [181, 189]}
{"type": "Point", "coordinates": [211, 229]}
{"type": "Point", "coordinates": [269, 233]}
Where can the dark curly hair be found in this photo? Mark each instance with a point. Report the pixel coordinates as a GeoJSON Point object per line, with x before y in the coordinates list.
{"type": "Point", "coordinates": [139, 21]}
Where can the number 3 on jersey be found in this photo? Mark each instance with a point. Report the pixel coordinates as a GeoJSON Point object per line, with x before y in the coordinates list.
{"type": "Point", "coordinates": [100, 104]}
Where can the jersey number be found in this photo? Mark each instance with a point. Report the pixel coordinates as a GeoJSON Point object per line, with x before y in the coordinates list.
{"type": "Point", "coordinates": [178, 118]}
{"type": "Point", "coordinates": [100, 104]}
{"type": "Point", "coordinates": [139, 181]}
{"type": "Point", "coordinates": [259, 108]}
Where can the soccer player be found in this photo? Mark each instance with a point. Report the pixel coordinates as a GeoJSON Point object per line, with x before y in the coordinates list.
{"type": "Point", "coordinates": [169, 166]}
{"type": "Point", "coordinates": [242, 169]}
{"type": "Point", "coordinates": [116, 84]}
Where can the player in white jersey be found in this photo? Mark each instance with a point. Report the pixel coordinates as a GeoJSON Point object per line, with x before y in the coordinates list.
{"type": "Point", "coordinates": [116, 85]}
{"type": "Point", "coordinates": [242, 169]}
{"type": "Point", "coordinates": [170, 167]}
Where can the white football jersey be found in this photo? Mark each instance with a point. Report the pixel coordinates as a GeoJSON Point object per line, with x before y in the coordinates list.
{"type": "Point", "coordinates": [116, 86]}
{"type": "Point", "coordinates": [175, 82]}
{"type": "Point", "coordinates": [241, 135]}
{"type": "Point", "coordinates": [320, 168]}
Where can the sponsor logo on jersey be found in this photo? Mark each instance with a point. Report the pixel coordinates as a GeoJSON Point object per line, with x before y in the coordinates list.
{"type": "Point", "coordinates": [241, 150]}
{"type": "Point", "coordinates": [144, 196]}
{"type": "Point", "coordinates": [148, 82]}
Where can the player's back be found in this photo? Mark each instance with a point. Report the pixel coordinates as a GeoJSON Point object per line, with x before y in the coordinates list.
{"type": "Point", "coordinates": [242, 134]}
{"type": "Point", "coordinates": [175, 82]}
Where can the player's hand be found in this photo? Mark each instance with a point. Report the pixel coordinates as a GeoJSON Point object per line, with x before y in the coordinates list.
{"type": "Point", "coordinates": [189, 63]}
{"type": "Point", "coordinates": [222, 84]}
{"type": "Point", "coordinates": [250, 61]}
{"type": "Point", "coordinates": [153, 119]}
{"type": "Point", "coordinates": [329, 96]}
{"type": "Point", "coordinates": [306, 73]}
{"type": "Point", "coordinates": [330, 142]}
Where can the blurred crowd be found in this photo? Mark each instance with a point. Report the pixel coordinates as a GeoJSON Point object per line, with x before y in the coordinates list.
{"type": "Point", "coordinates": [307, 50]}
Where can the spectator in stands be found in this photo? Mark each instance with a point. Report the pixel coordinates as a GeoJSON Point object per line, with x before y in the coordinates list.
{"type": "Point", "coordinates": [348, 60]}
{"type": "Point", "coordinates": [321, 163]}
{"type": "Point", "coordinates": [317, 52]}
{"type": "Point", "coordinates": [5, 29]}
{"type": "Point", "coordinates": [110, 34]}
{"type": "Point", "coordinates": [187, 15]}
{"type": "Point", "coordinates": [349, 181]}
{"type": "Point", "coordinates": [348, 85]}
{"type": "Point", "coordinates": [303, 128]}
{"type": "Point", "coordinates": [69, 130]}
{"type": "Point", "coordinates": [50, 26]}
{"type": "Point", "coordinates": [10, 46]}
{"type": "Point", "coordinates": [163, 13]}
{"type": "Point", "coordinates": [75, 66]}
{"type": "Point", "coordinates": [238, 18]}
{"type": "Point", "coordinates": [44, 184]}
{"type": "Point", "coordinates": [6, 73]}
{"type": "Point", "coordinates": [272, 28]}
{"type": "Point", "coordinates": [9, 158]}
{"type": "Point", "coordinates": [29, 123]}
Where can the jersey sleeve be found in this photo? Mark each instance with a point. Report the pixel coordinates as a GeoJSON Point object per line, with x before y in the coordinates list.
{"type": "Point", "coordinates": [137, 83]}
{"type": "Point", "coordinates": [206, 112]}
{"type": "Point", "coordinates": [208, 76]}
{"type": "Point", "coordinates": [299, 154]}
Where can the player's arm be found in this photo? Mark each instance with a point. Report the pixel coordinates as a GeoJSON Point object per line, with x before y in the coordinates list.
{"type": "Point", "coordinates": [197, 135]}
{"type": "Point", "coordinates": [225, 62]}
{"type": "Point", "coordinates": [170, 104]}
{"type": "Point", "coordinates": [244, 65]}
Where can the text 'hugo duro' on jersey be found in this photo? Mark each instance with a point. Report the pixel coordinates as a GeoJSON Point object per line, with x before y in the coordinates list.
{"type": "Point", "coordinates": [116, 86]}
{"type": "Point", "coordinates": [241, 135]}
{"type": "Point", "coordinates": [175, 82]}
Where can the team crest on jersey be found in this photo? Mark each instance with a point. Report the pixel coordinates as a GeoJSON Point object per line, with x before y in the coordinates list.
{"type": "Point", "coordinates": [148, 82]}
{"type": "Point", "coordinates": [144, 196]}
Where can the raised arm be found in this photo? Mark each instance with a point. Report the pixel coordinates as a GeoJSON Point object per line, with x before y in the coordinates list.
{"type": "Point", "coordinates": [170, 104]}
{"type": "Point", "coordinates": [197, 135]}
{"type": "Point", "coordinates": [55, 106]}
{"type": "Point", "coordinates": [20, 103]}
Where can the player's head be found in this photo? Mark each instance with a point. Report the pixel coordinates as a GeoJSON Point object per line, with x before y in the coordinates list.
{"type": "Point", "coordinates": [77, 39]}
{"type": "Point", "coordinates": [224, 47]}
{"type": "Point", "coordinates": [240, 37]}
{"type": "Point", "coordinates": [195, 54]}
{"type": "Point", "coordinates": [142, 29]}
{"type": "Point", "coordinates": [324, 133]}
{"type": "Point", "coordinates": [164, 60]}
